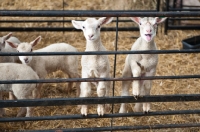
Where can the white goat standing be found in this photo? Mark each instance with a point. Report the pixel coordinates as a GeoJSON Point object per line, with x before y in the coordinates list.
{"type": "Point", "coordinates": [94, 65]}
{"type": "Point", "coordinates": [47, 64]}
{"type": "Point", "coordinates": [137, 65]}
{"type": "Point", "coordinates": [14, 71]}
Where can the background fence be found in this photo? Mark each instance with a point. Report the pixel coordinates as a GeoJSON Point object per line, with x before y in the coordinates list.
{"type": "Point", "coordinates": [181, 23]}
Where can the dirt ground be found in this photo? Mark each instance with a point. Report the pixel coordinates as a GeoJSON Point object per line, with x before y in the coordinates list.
{"type": "Point", "coordinates": [169, 64]}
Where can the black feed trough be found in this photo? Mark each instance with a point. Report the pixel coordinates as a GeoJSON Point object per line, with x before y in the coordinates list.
{"type": "Point", "coordinates": [191, 43]}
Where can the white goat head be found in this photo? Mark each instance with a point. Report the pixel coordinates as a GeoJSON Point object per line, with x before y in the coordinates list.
{"type": "Point", "coordinates": [3, 40]}
{"type": "Point", "coordinates": [25, 47]}
{"type": "Point", "coordinates": [91, 27]}
{"type": "Point", "coordinates": [148, 26]}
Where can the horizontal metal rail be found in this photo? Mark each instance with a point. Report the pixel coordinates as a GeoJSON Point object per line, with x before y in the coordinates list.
{"type": "Point", "coordinates": [94, 13]}
{"type": "Point", "coordinates": [98, 100]}
{"type": "Point", "coordinates": [117, 128]}
{"type": "Point", "coordinates": [101, 52]}
{"type": "Point", "coordinates": [92, 116]}
{"type": "Point", "coordinates": [183, 18]}
{"type": "Point", "coordinates": [197, 7]}
{"type": "Point", "coordinates": [48, 21]}
{"type": "Point", "coordinates": [64, 80]}
{"type": "Point", "coordinates": [31, 29]}
{"type": "Point", "coordinates": [182, 9]}
{"type": "Point", "coordinates": [185, 27]}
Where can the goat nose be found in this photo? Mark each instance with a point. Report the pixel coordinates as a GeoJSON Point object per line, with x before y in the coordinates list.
{"type": "Point", "coordinates": [90, 36]}
{"type": "Point", "coordinates": [25, 59]}
{"type": "Point", "coordinates": [148, 31]}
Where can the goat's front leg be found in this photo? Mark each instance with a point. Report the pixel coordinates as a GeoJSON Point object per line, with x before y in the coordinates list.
{"type": "Point", "coordinates": [138, 106]}
{"type": "Point", "coordinates": [108, 88]}
{"type": "Point", "coordinates": [85, 90]}
{"type": "Point", "coordinates": [125, 86]}
{"type": "Point", "coordinates": [101, 92]}
{"type": "Point", "coordinates": [137, 71]}
{"type": "Point", "coordinates": [147, 89]}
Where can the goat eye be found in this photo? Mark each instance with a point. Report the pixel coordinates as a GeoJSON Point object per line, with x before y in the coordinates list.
{"type": "Point", "coordinates": [31, 50]}
{"type": "Point", "coordinates": [83, 27]}
{"type": "Point", "coordinates": [98, 27]}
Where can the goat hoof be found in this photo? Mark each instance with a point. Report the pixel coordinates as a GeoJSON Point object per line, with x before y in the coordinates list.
{"type": "Point", "coordinates": [100, 115]}
{"type": "Point", "coordinates": [100, 110]}
{"type": "Point", "coordinates": [146, 112]}
{"type": "Point", "coordinates": [84, 115]}
{"type": "Point", "coordinates": [84, 110]}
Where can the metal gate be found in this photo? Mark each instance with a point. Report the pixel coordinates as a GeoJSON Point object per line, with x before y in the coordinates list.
{"type": "Point", "coordinates": [95, 100]}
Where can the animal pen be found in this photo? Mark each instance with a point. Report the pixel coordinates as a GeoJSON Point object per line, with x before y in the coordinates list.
{"type": "Point", "coordinates": [164, 114]}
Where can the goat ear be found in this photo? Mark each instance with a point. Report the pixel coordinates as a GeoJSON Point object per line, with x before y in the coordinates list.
{"type": "Point", "coordinates": [77, 24]}
{"type": "Point", "coordinates": [160, 20]}
{"type": "Point", "coordinates": [13, 45]}
{"type": "Point", "coordinates": [105, 20]}
{"type": "Point", "coordinates": [6, 37]}
{"type": "Point", "coordinates": [36, 41]}
{"type": "Point", "coordinates": [136, 19]}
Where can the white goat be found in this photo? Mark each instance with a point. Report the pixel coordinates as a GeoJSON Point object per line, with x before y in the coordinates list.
{"type": "Point", "coordinates": [137, 65]}
{"type": "Point", "coordinates": [94, 65]}
{"type": "Point", "coordinates": [4, 47]}
{"type": "Point", "coordinates": [46, 64]}
{"type": "Point", "coordinates": [14, 71]}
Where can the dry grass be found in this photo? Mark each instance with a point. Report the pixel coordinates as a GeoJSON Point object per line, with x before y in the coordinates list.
{"type": "Point", "coordinates": [170, 64]}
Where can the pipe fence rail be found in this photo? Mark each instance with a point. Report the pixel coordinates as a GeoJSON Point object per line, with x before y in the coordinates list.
{"type": "Point", "coordinates": [102, 52]}
{"type": "Point", "coordinates": [117, 128]}
{"type": "Point", "coordinates": [95, 13]}
{"type": "Point", "coordinates": [92, 116]}
{"type": "Point", "coordinates": [60, 80]}
{"type": "Point", "coordinates": [95, 100]}
{"type": "Point", "coordinates": [99, 100]}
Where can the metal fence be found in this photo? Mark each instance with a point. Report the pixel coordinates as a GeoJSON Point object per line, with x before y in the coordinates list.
{"type": "Point", "coordinates": [57, 14]}
{"type": "Point", "coordinates": [103, 100]}
{"type": "Point", "coordinates": [179, 22]}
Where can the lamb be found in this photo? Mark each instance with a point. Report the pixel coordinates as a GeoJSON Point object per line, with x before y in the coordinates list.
{"type": "Point", "coordinates": [15, 71]}
{"type": "Point", "coordinates": [4, 47]}
{"type": "Point", "coordinates": [137, 65]}
{"type": "Point", "coordinates": [47, 64]}
{"type": "Point", "coordinates": [94, 65]}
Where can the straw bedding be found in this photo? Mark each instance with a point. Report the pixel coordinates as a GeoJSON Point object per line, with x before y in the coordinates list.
{"type": "Point", "coordinates": [169, 64]}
